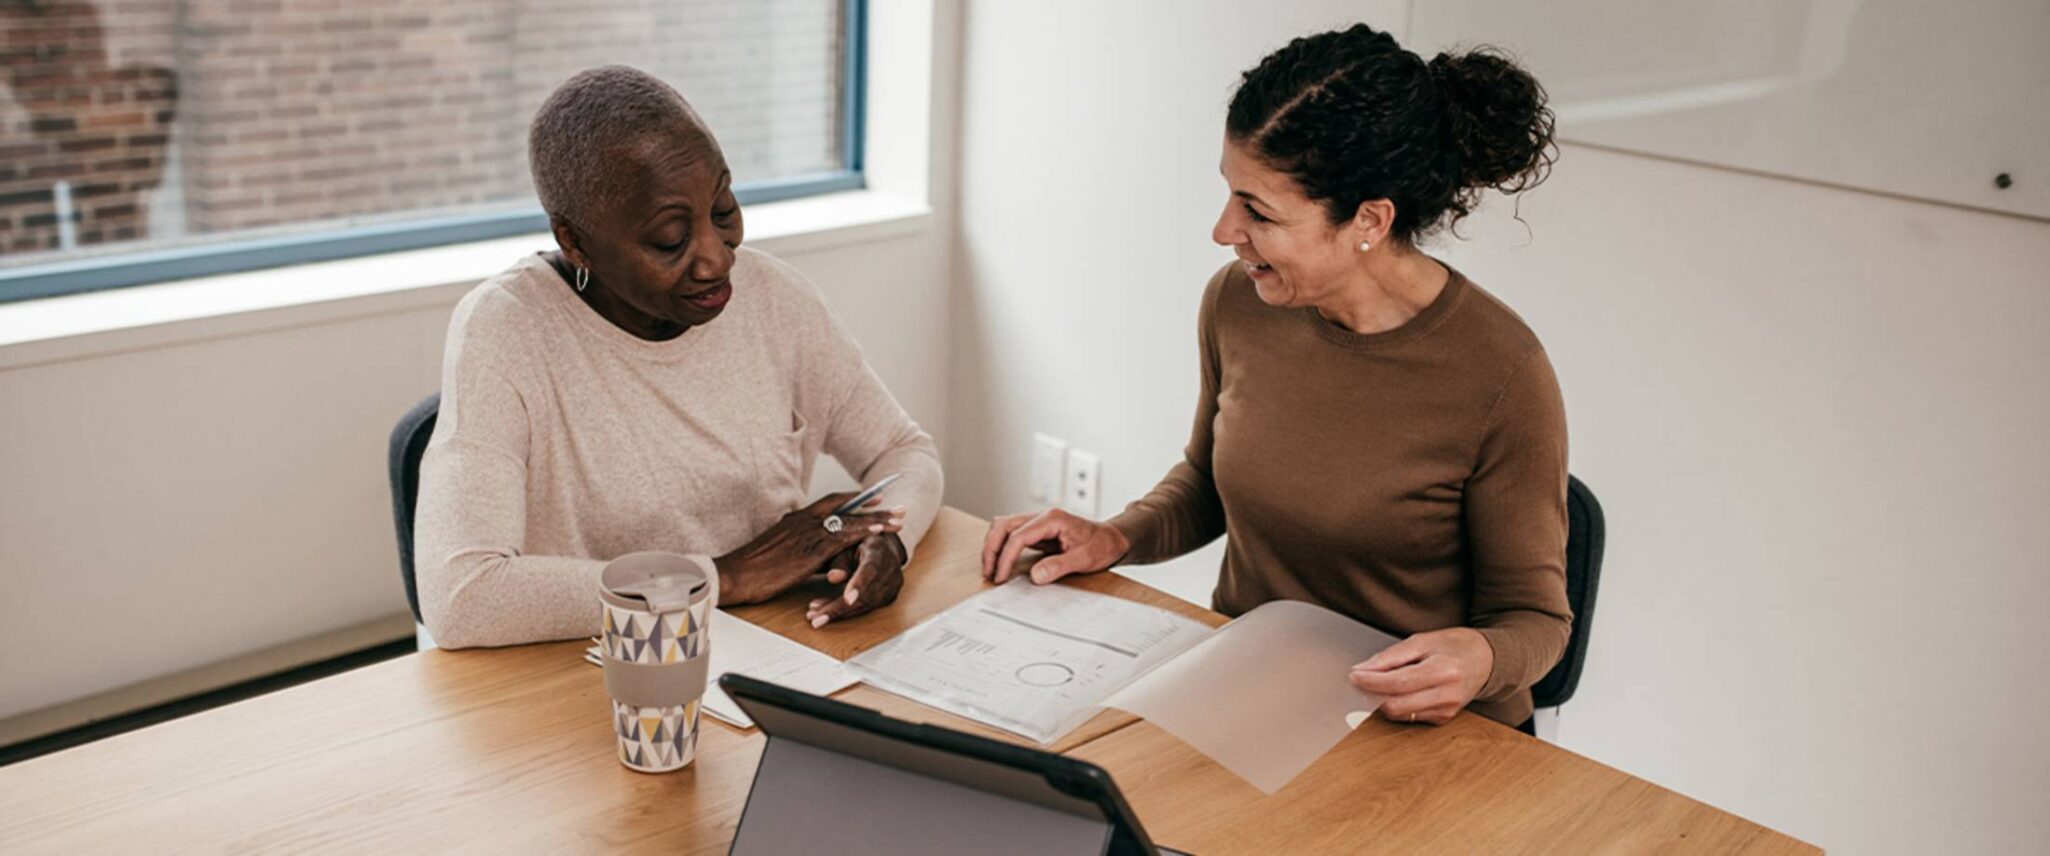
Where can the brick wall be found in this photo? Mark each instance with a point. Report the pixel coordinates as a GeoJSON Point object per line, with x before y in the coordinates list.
{"type": "Point", "coordinates": [92, 96]}
{"type": "Point", "coordinates": [301, 110]}
{"type": "Point", "coordinates": [298, 114]}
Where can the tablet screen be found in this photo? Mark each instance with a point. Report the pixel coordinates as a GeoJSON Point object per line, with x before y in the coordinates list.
{"type": "Point", "coordinates": [837, 776]}
{"type": "Point", "coordinates": [812, 800]}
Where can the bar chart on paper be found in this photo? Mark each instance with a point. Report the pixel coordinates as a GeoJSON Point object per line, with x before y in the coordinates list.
{"type": "Point", "coordinates": [965, 645]}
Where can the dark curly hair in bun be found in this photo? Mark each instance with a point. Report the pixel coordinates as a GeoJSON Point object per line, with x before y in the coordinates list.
{"type": "Point", "coordinates": [1353, 116]}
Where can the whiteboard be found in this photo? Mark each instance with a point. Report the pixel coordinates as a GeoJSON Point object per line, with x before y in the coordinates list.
{"type": "Point", "coordinates": [1932, 100]}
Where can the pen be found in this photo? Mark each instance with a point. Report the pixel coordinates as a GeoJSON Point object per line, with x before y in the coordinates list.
{"type": "Point", "coordinates": [851, 505]}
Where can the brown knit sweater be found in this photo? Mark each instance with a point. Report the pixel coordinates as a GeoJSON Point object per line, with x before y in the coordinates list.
{"type": "Point", "coordinates": [1413, 479]}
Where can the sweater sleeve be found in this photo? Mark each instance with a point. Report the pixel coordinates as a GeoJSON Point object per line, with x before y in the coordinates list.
{"type": "Point", "coordinates": [864, 427]}
{"type": "Point", "coordinates": [476, 585]}
{"type": "Point", "coordinates": [1515, 510]}
{"type": "Point", "coordinates": [1183, 512]}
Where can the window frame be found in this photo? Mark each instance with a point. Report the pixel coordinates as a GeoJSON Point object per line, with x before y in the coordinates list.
{"type": "Point", "coordinates": [145, 267]}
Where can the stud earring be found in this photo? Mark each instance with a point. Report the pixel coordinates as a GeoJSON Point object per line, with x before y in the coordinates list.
{"type": "Point", "coordinates": [1364, 246]}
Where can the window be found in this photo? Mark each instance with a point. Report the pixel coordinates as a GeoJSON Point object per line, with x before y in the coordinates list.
{"type": "Point", "coordinates": [148, 140]}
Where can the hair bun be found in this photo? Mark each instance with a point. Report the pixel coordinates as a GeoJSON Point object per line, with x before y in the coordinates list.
{"type": "Point", "coordinates": [1497, 120]}
{"type": "Point", "coordinates": [1353, 116]}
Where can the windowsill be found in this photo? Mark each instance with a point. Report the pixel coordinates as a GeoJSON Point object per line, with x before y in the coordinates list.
{"type": "Point", "coordinates": [73, 326]}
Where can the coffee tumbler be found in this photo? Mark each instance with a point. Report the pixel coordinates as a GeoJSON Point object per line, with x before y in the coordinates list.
{"type": "Point", "coordinates": [657, 652]}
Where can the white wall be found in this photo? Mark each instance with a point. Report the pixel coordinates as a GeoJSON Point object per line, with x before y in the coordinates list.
{"type": "Point", "coordinates": [181, 496]}
{"type": "Point", "coordinates": [1815, 419]}
{"type": "Point", "coordinates": [178, 505]}
{"type": "Point", "coordinates": [1810, 412]}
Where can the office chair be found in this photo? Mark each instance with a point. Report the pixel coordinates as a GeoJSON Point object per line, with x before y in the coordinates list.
{"type": "Point", "coordinates": [408, 443]}
{"type": "Point", "coordinates": [1584, 532]}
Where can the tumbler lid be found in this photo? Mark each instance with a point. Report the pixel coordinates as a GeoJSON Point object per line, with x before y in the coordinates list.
{"type": "Point", "coordinates": [657, 582]}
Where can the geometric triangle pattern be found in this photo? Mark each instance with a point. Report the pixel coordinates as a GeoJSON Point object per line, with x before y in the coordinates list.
{"type": "Point", "coordinates": [634, 636]}
{"type": "Point", "coordinates": [656, 739]}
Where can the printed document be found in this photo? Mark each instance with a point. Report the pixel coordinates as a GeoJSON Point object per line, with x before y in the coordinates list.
{"type": "Point", "coordinates": [1032, 660]}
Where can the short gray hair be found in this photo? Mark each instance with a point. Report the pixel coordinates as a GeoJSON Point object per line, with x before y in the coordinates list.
{"type": "Point", "coordinates": [585, 123]}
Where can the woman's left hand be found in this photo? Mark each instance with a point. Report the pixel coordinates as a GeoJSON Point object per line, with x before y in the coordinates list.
{"type": "Point", "coordinates": [1429, 676]}
{"type": "Point", "coordinates": [878, 563]}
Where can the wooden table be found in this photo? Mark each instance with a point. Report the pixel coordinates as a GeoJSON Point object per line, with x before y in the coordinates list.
{"type": "Point", "coordinates": [510, 750]}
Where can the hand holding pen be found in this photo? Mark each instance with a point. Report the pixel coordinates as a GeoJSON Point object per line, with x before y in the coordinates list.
{"type": "Point", "coordinates": [802, 545]}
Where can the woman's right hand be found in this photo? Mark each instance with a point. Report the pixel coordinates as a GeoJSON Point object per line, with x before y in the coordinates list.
{"type": "Point", "coordinates": [1075, 545]}
{"type": "Point", "coordinates": [798, 547]}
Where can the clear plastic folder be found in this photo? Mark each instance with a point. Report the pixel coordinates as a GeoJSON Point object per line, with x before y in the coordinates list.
{"type": "Point", "coordinates": [1266, 695]}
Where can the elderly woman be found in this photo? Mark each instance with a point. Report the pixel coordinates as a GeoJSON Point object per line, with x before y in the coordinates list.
{"type": "Point", "coordinates": [651, 386]}
{"type": "Point", "coordinates": [1376, 433]}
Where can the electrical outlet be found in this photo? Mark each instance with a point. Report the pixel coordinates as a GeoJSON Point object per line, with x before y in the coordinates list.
{"type": "Point", "coordinates": [1079, 489]}
{"type": "Point", "coordinates": [1049, 458]}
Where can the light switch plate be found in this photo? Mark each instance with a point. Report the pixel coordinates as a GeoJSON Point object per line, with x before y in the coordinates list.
{"type": "Point", "coordinates": [1049, 460]}
{"type": "Point", "coordinates": [1079, 490]}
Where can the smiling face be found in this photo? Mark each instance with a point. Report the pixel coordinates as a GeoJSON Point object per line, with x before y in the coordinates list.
{"type": "Point", "coordinates": [661, 255]}
{"type": "Point", "coordinates": [1286, 240]}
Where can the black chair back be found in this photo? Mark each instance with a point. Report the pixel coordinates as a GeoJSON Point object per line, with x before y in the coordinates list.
{"type": "Point", "coordinates": [1584, 532]}
{"type": "Point", "coordinates": [408, 443]}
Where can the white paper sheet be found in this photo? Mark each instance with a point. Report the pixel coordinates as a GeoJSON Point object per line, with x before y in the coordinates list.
{"type": "Point", "coordinates": [1266, 695]}
{"type": "Point", "coordinates": [1032, 660]}
{"type": "Point", "coordinates": [738, 646]}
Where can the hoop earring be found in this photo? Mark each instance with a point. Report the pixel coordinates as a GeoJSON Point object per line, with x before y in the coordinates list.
{"type": "Point", "coordinates": [583, 278]}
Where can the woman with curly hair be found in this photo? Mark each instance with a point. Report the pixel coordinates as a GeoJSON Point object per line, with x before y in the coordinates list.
{"type": "Point", "coordinates": [1376, 434]}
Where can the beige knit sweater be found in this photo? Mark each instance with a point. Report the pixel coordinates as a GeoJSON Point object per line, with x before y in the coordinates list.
{"type": "Point", "coordinates": [564, 441]}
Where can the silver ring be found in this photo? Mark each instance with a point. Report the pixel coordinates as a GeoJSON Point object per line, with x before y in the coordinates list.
{"type": "Point", "coordinates": [834, 524]}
